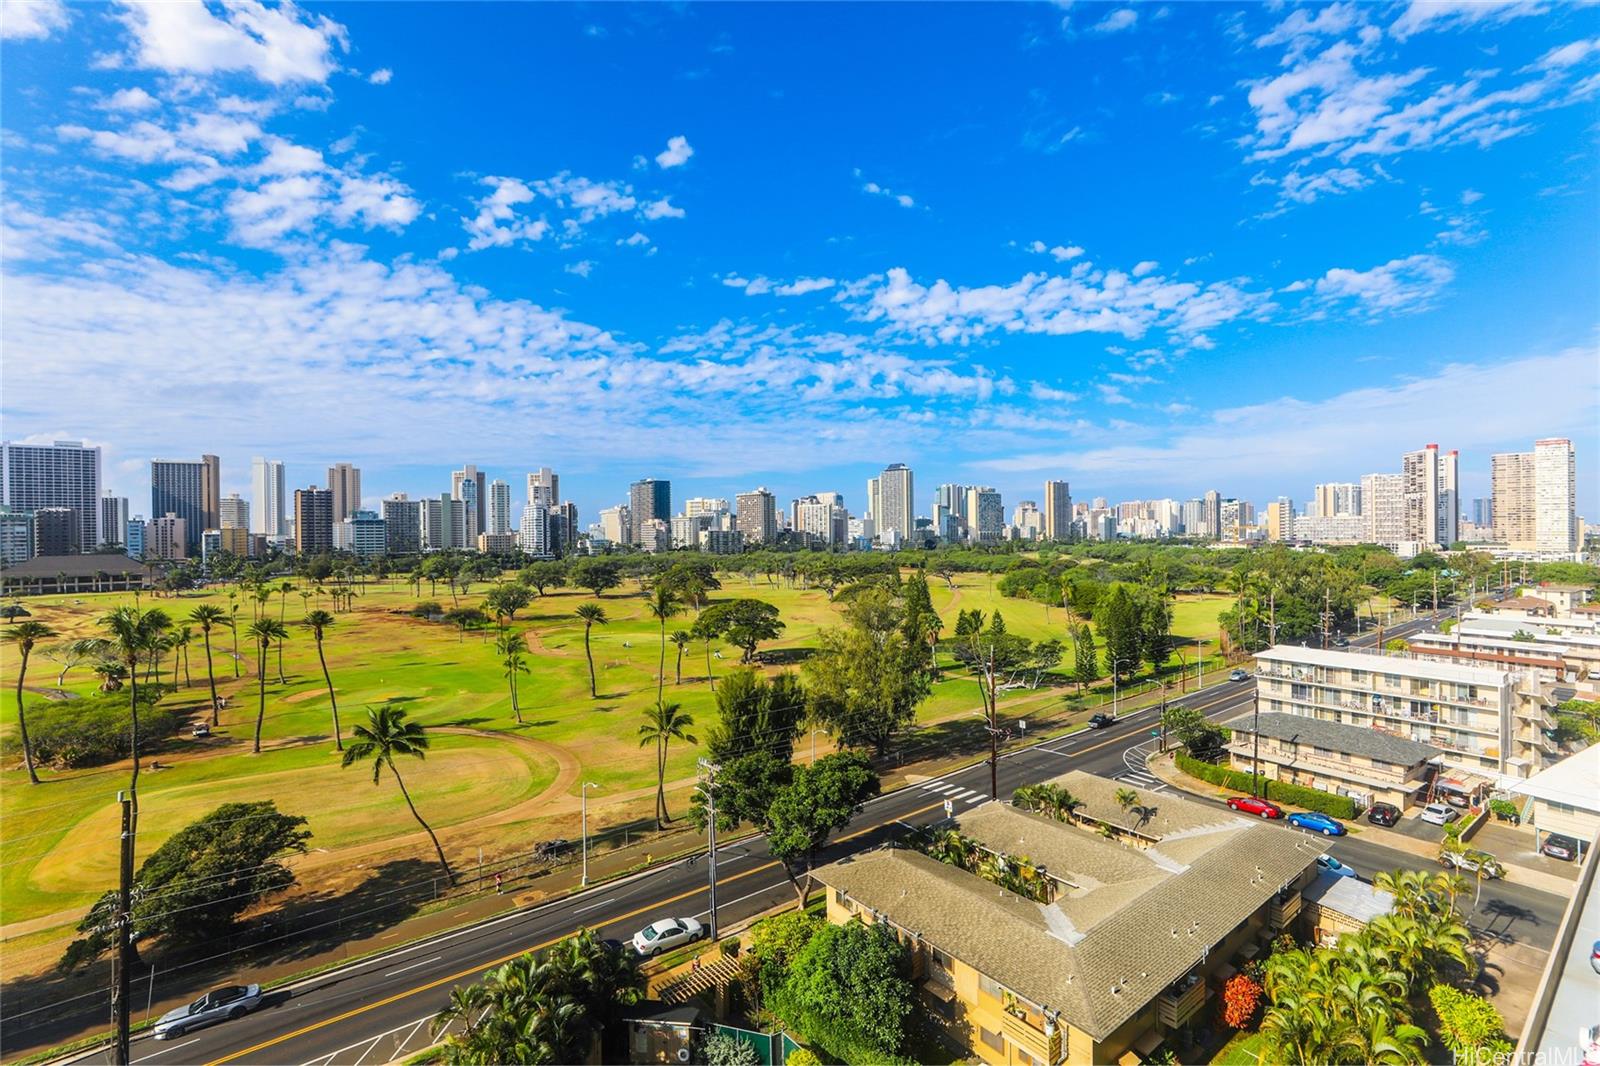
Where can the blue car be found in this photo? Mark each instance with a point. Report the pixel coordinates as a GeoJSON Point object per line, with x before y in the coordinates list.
{"type": "Point", "coordinates": [1334, 866]}
{"type": "Point", "coordinates": [1317, 823]}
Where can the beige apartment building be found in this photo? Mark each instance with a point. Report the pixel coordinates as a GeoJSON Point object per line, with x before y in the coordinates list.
{"type": "Point", "coordinates": [1122, 941]}
{"type": "Point", "coordinates": [1487, 722]}
{"type": "Point", "coordinates": [1364, 764]}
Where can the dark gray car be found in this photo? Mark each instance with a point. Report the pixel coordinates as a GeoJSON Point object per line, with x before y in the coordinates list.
{"type": "Point", "coordinates": [220, 1004]}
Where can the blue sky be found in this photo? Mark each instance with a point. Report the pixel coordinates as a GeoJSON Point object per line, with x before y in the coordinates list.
{"type": "Point", "coordinates": [1152, 249]}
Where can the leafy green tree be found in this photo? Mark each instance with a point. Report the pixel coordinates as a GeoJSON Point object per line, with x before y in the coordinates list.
{"type": "Point", "coordinates": [465, 618]}
{"type": "Point", "coordinates": [1194, 731]}
{"type": "Point", "coordinates": [664, 723]}
{"type": "Point", "coordinates": [743, 623]}
{"type": "Point", "coordinates": [265, 632]}
{"type": "Point", "coordinates": [848, 989]}
{"type": "Point", "coordinates": [385, 735]}
{"type": "Point", "coordinates": [774, 942]}
{"type": "Point", "coordinates": [596, 575]}
{"type": "Point", "coordinates": [130, 632]}
{"type": "Point", "coordinates": [208, 617]}
{"type": "Point", "coordinates": [865, 680]}
{"type": "Point", "coordinates": [680, 639]}
{"type": "Point", "coordinates": [1117, 619]}
{"type": "Point", "coordinates": [194, 886]}
{"type": "Point", "coordinates": [1470, 1027]}
{"type": "Point", "coordinates": [512, 648]}
{"type": "Point", "coordinates": [1153, 610]}
{"type": "Point", "coordinates": [663, 604]}
{"type": "Point", "coordinates": [747, 785]}
{"type": "Point", "coordinates": [756, 714]}
{"type": "Point", "coordinates": [821, 799]}
{"type": "Point", "coordinates": [593, 615]}
{"type": "Point", "coordinates": [691, 582]}
{"type": "Point", "coordinates": [921, 625]}
{"type": "Point", "coordinates": [1085, 661]}
{"type": "Point", "coordinates": [318, 622]}
{"type": "Point", "coordinates": [25, 635]}
{"type": "Point", "coordinates": [543, 575]}
{"type": "Point", "coordinates": [504, 601]}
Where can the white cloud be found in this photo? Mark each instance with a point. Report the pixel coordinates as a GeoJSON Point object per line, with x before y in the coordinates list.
{"type": "Point", "coordinates": [662, 208]}
{"type": "Point", "coordinates": [872, 188]}
{"type": "Point", "coordinates": [1399, 286]}
{"type": "Point", "coordinates": [1111, 394]}
{"type": "Point", "coordinates": [1470, 196]}
{"type": "Point", "coordinates": [1422, 15]}
{"type": "Point", "coordinates": [1060, 253]}
{"type": "Point", "coordinates": [496, 224]}
{"type": "Point", "coordinates": [761, 286]}
{"type": "Point", "coordinates": [381, 76]}
{"type": "Point", "coordinates": [22, 20]}
{"type": "Point", "coordinates": [676, 153]}
{"type": "Point", "coordinates": [634, 241]}
{"type": "Point", "coordinates": [1050, 394]}
{"type": "Point", "coordinates": [134, 99]}
{"type": "Point", "coordinates": [1303, 188]}
{"type": "Point", "coordinates": [1145, 267]}
{"type": "Point", "coordinates": [1567, 55]}
{"type": "Point", "coordinates": [1305, 24]}
{"type": "Point", "coordinates": [279, 45]}
{"type": "Point", "coordinates": [1123, 18]}
{"type": "Point", "coordinates": [583, 268]}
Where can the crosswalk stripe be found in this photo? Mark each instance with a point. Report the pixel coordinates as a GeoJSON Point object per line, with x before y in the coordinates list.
{"type": "Point", "coordinates": [977, 799]}
{"type": "Point", "coordinates": [963, 794]}
{"type": "Point", "coordinates": [945, 788]}
{"type": "Point", "coordinates": [931, 786]}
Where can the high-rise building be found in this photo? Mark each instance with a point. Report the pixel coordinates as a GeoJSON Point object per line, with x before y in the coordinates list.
{"type": "Point", "coordinates": [467, 485]}
{"type": "Point", "coordinates": [361, 532]}
{"type": "Point", "coordinates": [564, 528]}
{"type": "Point", "coordinates": [986, 515]}
{"type": "Point", "coordinates": [1280, 519]}
{"type": "Point", "coordinates": [63, 474]}
{"type": "Point", "coordinates": [269, 493]}
{"type": "Point", "coordinates": [1335, 498]}
{"type": "Point", "coordinates": [55, 531]}
{"type": "Point", "coordinates": [168, 538]}
{"type": "Point", "coordinates": [1211, 515]}
{"type": "Point", "coordinates": [113, 518]}
{"type": "Point", "coordinates": [499, 508]}
{"type": "Point", "coordinates": [1432, 497]}
{"type": "Point", "coordinates": [233, 512]}
{"type": "Point", "coordinates": [1028, 521]}
{"type": "Point", "coordinates": [344, 481]}
{"type": "Point", "coordinates": [891, 499]}
{"type": "Point", "coordinates": [444, 523]}
{"type": "Point", "coordinates": [191, 490]}
{"type": "Point", "coordinates": [649, 500]}
{"type": "Point", "coordinates": [402, 524]}
{"type": "Point", "coordinates": [1511, 481]}
{"type": "Point", "coordinates": [533, 532]}
{"type": "Point", "coordinates": [1483, 512]}
{"type": "Point", "coordinates": [313, 521]}
{"type": "Point", "coordinates": [616, 524]}
{"type": "Point", "coordinates": [544, 487]}
{"type": "Point", "coordinates": [1057, 510]}
{"type": "Point", "coordinates": [757, 516]}
{"type": "Point", "coordinates": [822, 516]}
{"type": "Point", "coordinates": [1555, 481]}
{"type": "Point", "coordinates": [715, 506]}
{"type": "Point", "coordinates": [133, 538]}
{"type": "Point", "coordinates": [655, 535]}
{"type": "Point", "coordinates": [1383, 505]}
{"type": "Point", "coordinates": [16, 535]}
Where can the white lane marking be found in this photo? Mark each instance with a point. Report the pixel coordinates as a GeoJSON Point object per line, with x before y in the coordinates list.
{"type": "Point", "coordinates": [164, 1050]}
{"type": "Point", "coordinates": [413, 966]}
{"type": "Point", "coordinates": [931, 786]}
{"type": "Point", "coordinates": [370, 1046]}
{"type": "Point", "coordinates": [592, 906]}
{"type": "Point", "coordinates": [978, 799]}
{"type": "Point", "coordinates": [963, 794]}
{"type": "Point", "coordinates": [749, 895]}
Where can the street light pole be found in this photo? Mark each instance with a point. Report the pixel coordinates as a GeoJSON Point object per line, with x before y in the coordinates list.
{"type": "Point", "coordinates": [583, 806]}
{"type": "Point", "coordinates": [1200, 664]}
{"type": "Point", "coordinates": [710, 790]}
{"type": "Point", "coordinates": [1114, 704]}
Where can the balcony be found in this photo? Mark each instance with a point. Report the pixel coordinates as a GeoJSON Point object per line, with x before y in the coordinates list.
{"type": "Point", "coordinates": [1182, 1001]}
{"type": "Point", "coordinates": [1284, 911]}
{"type": "Point", "coordinates": [1029, 1039]}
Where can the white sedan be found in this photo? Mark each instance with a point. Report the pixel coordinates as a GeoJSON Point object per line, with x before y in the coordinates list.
{"type": "Point", "coordinates": [666, 934]}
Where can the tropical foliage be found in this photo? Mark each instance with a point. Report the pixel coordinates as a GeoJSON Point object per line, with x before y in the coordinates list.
{"type": "Point", "coordinates": [848, 991]}
{"type": "Point", "coordinates": [385, 735]}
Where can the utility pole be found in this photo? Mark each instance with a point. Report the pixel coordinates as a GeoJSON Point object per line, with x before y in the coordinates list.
{"type": "Point", "coordinates": [1255, 726]}
{"type": "Point", "coordinates": [1272, 617]}
{"type": "Point", "coordinates": [121, 995]}
{"type": "Point", "coordinates": [710, 790]}
{"type": "Point", "coordinates": [1436, 592]}
{"type": "Point", "coordinates": [1327, 615]}
{"type": "Point", "coordinates": [994, 732]}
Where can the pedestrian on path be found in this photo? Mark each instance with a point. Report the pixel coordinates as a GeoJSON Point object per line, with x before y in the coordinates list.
{"type": "Point", "coordinates": [497, 887]}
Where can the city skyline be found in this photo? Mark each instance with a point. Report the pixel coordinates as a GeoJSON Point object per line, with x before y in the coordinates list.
{"type": "Point", "coordinates": [993, 303]}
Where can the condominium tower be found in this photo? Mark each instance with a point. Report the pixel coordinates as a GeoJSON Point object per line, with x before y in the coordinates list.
{"type": "Point", "coordinates": [649, 500]}
{"type": "Point", "coordinates": [313, 521]}
{"type": "Point", "coordinates": [890, 498]}
{"type": "Point", "coordinates": [269, 493]}
{"type": "Point", "coordinates": [190, 490]}
{"type": "Point", "coordinates": [344, 481]}
{"type": "Point", "coordinates": [63, 474]}
{"type": "Point", "coordinates": [1057, 510]}
{"type": "Point", "coordinates": [756, 516]}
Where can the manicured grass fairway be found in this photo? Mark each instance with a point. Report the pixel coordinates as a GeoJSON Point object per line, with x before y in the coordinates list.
{"type": "Point", "coordinates": [56, 853]}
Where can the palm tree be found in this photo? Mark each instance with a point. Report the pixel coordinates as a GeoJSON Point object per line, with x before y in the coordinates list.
{"type": "Point", "coordinates": [387, 734]}
{"type": "Point", "coordinates": [265, 632]}
{"type": "Point", "coordinates": [680, 638]}
{"type": "Point", "coordinates": [664, 723]}
{"type": "Point", "coordinates": [131, 634]}
{"type": "Point", "coordinates": [156, 623]}
{"type": "Point", "coordinates": [180, 647]}
{"type": "Point", "coordinates": [233, 626]}
{"type": "Point", "coordinates": [593, 615]}
{"type": "Point", "coordinates": [25, 635]}
{"type": "Point", "coordinates": [513, 651]}
{"type": "Point", "coordinates": [318, 622]}
{"type": "Point", "coordinates": [283, 598]}
{"type": "Point", "coordinates": [663, 604]}
{"type": "Point", "coordinates": [207, 616]}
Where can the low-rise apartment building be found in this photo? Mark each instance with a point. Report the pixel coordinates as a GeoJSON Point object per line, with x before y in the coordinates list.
{"type": "Point", "coordinates": [1487, 722]}
{"type": "Point", "coordinates": [1364, 764]}
{"type": "Point", "coordinates": [1114, 947]}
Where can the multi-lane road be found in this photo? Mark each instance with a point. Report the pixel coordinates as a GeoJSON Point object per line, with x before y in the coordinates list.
{"type": "Point", "coordinates": [376, 1010]}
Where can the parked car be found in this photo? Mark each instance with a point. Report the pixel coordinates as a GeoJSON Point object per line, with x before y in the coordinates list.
{"type": "Point", "coordinates": [1455, 799]}
{"type": "Point", "coordinates": [1383, 814]}
{"type": "Point", "coordinates": [1238, 675]}
{"type": "Point", "coordinates": [200, 730]}
{"type": "Point", "coordinates": [1473, 862]}
{"type": "Point", "coordinates": [1317, 823]}
{"type": "Point", "coordinates": [1560, 847]}
{"type": "Point", "coordinates": [1439, 814]}
{"type": "Point", "coordinates": [1100, 721]}
{"type": "Point", "coordinates": [1341, 641]}
{"type": "Point", "coordinates": [1334, 866]}
{"type": "Point", "coordinates": [220, 1004]}
{"type": "Point", "coordinates": [667, 934]}
{"type": "Point", "coordinates": [551, 849]}
{"type": "Point", "coordinates": [1252, 805]}
{"type": "Point", "coordinates": [1594, 957]}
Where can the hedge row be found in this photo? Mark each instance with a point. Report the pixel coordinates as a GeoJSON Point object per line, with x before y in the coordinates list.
{"type": "Point", "coordinates": [1312, 799]}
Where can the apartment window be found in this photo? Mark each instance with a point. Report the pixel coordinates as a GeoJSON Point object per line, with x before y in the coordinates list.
{"type": "Point", "coordinates": [1358, 677]}
{"type": "Point", "coordinates": [1025, 1059]}
{"type": "Point", "coordinates": [1300, 692]}
{"type": "Point", "coordinates": [994, 1040]}
{"type": "Point", "coordinates": [989, 986]}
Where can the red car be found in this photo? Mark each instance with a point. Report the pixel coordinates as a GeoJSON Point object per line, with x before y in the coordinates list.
{"type": "Point", "coordinates": [1251, 805]}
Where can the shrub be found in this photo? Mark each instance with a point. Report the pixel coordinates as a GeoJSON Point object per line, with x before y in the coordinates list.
{"type": "Point", "coordinates": [725, 1049]}
{"type": "Point", "coordinates": [1312, 799]}
{"type": "Point", "coordinates": [1469, 1025]}
{"type": "Point", "coordinates": [69, 734]}
{"type": "Point", "coordinates": [1240, 998]}
{"type": "Point", "coordinates": [802, 1057]}
{"type": "Point", "coordinates": [1505, 810]}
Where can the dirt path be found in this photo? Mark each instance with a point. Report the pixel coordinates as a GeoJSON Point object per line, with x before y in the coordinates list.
{"type": "Point", "coordinates": [537, 644]}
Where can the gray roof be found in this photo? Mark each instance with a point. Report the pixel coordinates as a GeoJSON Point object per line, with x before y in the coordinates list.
{"type": "Point", "coordinates": [1068, 854]}
{"type": "Point", "coordinates": [1352, 898]}
{"type": "Point", "coordinates": [48, 566]}
{"type": "Point", "coordinates": [1337, 736]}
{"type": "Point", "coordinates": [1154, 815]}
{"type": "Point", "coordinates": [1098, 955]}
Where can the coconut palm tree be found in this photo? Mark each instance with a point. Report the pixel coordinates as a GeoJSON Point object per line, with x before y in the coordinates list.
{"type": "Point", "coordinates": [265, 632]}
{"type": "Point", "coordinates": [25, 635]}
{"type": "Point", "coordinates": [181, 638]}
{"type": "Point", "coordinates": [131, 634]}
{"type": "Point", "coordinates": [385, 735]}
{"type": "Point", "coordinates": [208, 616]}
{"type": "Point", "coordinates": [664, 723]}
{"type": "Point", "coordinates": [513, 650]}
{"type": "Point", "coordinates": [233, 628]}
{"type": "Point", "coordinates": [593, 615]}
{"type": "Point", "coordinates": [681, 639]}
{"type": "Point", "coordinates": [284, 588]}
{"type": "Point", "coordinates": [156, 622]}
{"type": "Point", "coordinates": [318, 622]}
{"type": "Point", "coordinates": [663, 604]}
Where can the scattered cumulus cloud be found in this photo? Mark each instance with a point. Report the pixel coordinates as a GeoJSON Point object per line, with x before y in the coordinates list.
{"type": "Point", "coordinates": [279, 45]}
{"type": "Point", "coordinates": [1123, 18]}
{"type": "Point", "coordinates": [381, 76]}
{"type": "Point", "coordinates": [676, 153]}
{"type": "Point", "coordinates": [872, 188]}
{"type": "Point", "coordinates": [22, 20]}
{"type": "Point", "coordinates": [1400, 286]}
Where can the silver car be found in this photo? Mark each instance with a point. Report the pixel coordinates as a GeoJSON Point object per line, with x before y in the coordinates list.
{"type": "Point", "coordinates": [667, 934]}
{"type": "Point", "coordinates": [220, 1004]}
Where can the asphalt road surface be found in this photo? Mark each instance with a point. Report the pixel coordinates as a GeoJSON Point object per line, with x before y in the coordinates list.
{"type": "Point", "coordinates": [375, 1011]}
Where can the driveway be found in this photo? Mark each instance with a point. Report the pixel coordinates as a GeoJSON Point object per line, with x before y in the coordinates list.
{"type": "Point", "coordinates": [1412, 825]}
{"type": "Point", "coordinates": [1514, 846]}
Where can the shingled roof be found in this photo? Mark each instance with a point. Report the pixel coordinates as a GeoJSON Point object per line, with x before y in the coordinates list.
{"type": "Point", "coordinates": [1337, 736]}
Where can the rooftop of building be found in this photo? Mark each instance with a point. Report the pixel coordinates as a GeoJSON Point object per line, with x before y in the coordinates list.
{"type": "Point", "coordinates": [1348, 896]}
{"type": "Point", "coordinates": [1292, 655]}
{"type": "Point", "coordinates": [111, 565]}
{"type": "Point", "coordinates": [1337, 736]}
{"type": "Point", "coordinates": [1574, 780]}
{"type": "Point", "coordinates": [1524, 603]}
{"type": "Point", "coordinates": [1556, 586]}
{"type": "Point", "coordinates": [1138, 921]}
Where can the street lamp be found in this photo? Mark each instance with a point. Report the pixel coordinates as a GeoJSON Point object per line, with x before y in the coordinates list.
{"type": "Point", "coordinates": [814, 733]}
{"type": "Point", "coordinates": [1114, 667]}
{"type": "Point", "coordinates": [1200, 663]}
{"type": "Point", "coordinates": [583, 806]}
